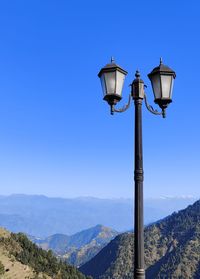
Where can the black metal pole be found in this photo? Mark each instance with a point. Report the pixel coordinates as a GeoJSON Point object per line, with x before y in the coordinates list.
{"type": "Point", "coordinates": [138, 95]}
{"type": "Point", "coordinates": [139, 272]}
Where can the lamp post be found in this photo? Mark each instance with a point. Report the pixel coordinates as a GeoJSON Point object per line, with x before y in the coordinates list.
{"type": "Point", "coordinates": [112, 79]}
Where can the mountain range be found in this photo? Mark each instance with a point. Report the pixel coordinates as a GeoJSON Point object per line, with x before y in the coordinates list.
{"type": "Point", "coordinates": [172, 250]}
{"type": "Point", "coordinates": [42, 216]}
{"type": "Point", "coordinates": [79, 248]}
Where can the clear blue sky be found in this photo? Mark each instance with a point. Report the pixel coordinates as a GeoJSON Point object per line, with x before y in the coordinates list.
{"type": "Point", "coordinates": [56, 134]}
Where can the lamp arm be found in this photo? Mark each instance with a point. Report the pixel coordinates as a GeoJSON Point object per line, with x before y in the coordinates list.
{"type": "Point", "coordinates": [152, 110]}
{"type": "Point", "coordinates": [124, 108]}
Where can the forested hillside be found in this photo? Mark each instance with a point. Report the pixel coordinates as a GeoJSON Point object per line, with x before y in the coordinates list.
{"type": "Point", "coordinates": [20, 259]}
{"type": "Point", "coordinates": [172, 250]}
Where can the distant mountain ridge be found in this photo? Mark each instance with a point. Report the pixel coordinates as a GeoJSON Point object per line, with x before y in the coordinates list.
{"type": "Point", "coordinates": [77, 249]}
{"type": "Point", "coordinates": [172, 250]}
{"type": "Point", "coordinates": [42, 216]}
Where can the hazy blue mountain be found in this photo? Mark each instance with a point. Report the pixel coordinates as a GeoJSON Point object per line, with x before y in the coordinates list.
{"type": "Point", "coordinates": [57, 242]}
{"type": "Point", "coordinates": [172, 250]}
{"type": "Point", "coordinates": [42, 216]}
{"type": "Point", "coordinates": [79, 248]}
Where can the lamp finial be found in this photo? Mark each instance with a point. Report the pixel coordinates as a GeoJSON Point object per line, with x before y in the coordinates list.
{"type": "Point", "coordinates": [137, 74]}
{"type": "Point", "coordinates": [112, 60]}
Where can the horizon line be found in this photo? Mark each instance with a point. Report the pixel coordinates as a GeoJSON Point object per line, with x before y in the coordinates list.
{"type": "Point", "coordinates": [164, 197]}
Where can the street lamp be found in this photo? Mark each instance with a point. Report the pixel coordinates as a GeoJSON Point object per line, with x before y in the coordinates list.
{"type": "Point", "coordinates": [162, 80]}
{"type": "Point", "coordinates": [112, 79]}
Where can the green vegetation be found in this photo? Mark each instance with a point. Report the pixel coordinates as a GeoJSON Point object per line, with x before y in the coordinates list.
{"type": "Point", "coordinates": [2, 269]}
{"type": "Point", "coordinates": [41, 261]}
{"type": "Point", "coordinates": [172, 250]}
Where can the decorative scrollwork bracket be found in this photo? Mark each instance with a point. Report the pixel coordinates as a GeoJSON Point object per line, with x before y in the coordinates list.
{"type": "Point", "coordinates": [152, 110]}
{"type": "Point", "coordinates": [124, 108]}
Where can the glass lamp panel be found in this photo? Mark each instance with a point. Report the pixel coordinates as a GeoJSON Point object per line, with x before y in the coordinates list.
{"type": "Point", "coordinates": [166, 81]}
{"type": "Point", "coordinates": [110, 81]}
{"type": "Point", "coordinates": [155, 80]}
{"type": "Point", "coordinates": [102, 78]}
{"type": "Point", "coordinates": [172, 85]}
{"type": "Point", "coordinates": [120, 82]}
